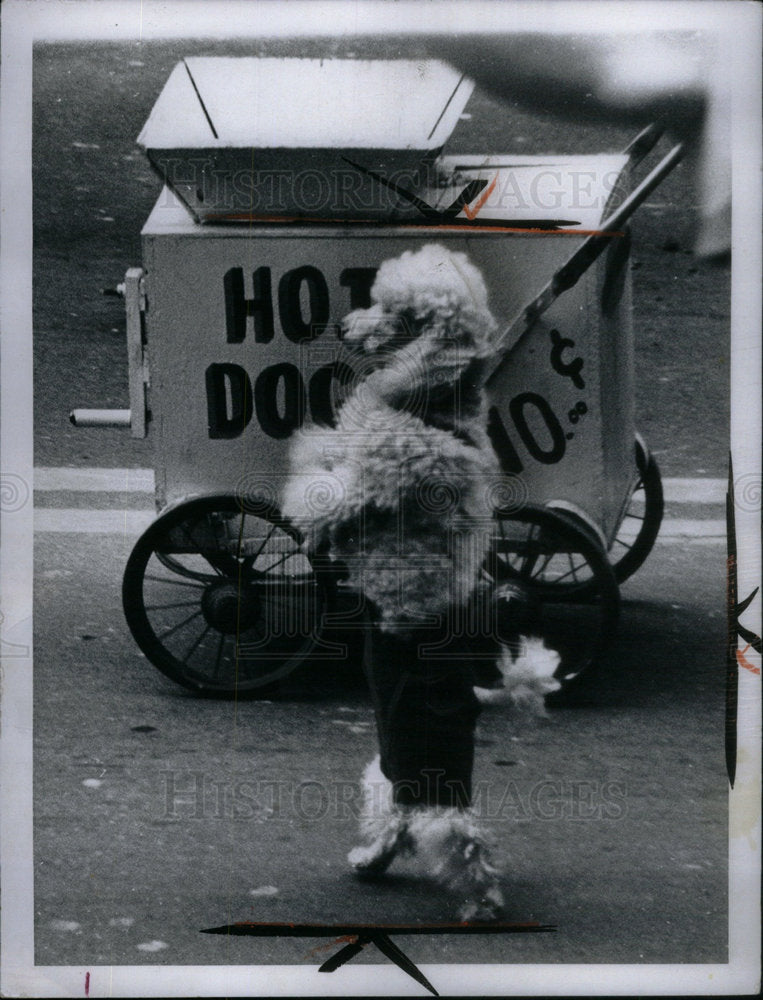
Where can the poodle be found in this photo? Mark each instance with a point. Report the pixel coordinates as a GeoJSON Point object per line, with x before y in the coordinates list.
{"type": "Point", "coordinates": [408, 473]}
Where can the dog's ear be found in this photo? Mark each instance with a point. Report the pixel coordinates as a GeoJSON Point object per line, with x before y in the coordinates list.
{"type": "Point", "coordinates": [358, 325]}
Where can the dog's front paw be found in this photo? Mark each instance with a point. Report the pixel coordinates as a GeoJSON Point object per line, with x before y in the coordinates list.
{"type": "Point", "coordinates": [492, 695]}
{"type": "Point", "coordinates": [527, 677]}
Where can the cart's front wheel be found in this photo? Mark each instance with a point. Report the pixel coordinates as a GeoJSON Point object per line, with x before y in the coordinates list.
{"type": "Point", "coordinates": [546, 553]}
{"type": "Point", "coordinates": [221, 598]}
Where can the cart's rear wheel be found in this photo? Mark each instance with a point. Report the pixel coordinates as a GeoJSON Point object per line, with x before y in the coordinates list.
{"type": "Point", "coordinates": [638, 528]}
{"type": "Point", "coordinates": [220, 596]}
{"type": "Point", "coordinates": [547, 553]}
{"type": "Point", "coordinates": [643, 517]}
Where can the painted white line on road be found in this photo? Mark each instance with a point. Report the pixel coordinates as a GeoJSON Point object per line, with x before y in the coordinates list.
{"type": "Point", "coordinates": [695, 490]}
{"type": "Point", "coordinates": [676, 528]}
{"type": "Point", "coordinates": [78, 521]}
{"type": "Point", "coordinates": [49, 478]}
{"type": "Point", "coordinates": [101, 480]}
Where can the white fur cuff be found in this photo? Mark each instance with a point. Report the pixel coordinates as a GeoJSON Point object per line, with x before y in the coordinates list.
{"type": "Point", "coordinates": [527, 678]}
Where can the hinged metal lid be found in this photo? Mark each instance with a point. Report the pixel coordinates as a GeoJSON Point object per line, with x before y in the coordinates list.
{"type": "Point", "coordinates": [245, 135]}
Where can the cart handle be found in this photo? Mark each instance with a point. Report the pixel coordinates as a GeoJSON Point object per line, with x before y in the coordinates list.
{"type": "Point", "coordinates": [643, 144]}
{"type": "Point", "coordinates": [591, 247]}
{"type": "Point", "coordinates": [101, 418]}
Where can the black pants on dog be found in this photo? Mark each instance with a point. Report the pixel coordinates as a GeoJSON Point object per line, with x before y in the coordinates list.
{"type": "Point", "coordinates": [421, 683]}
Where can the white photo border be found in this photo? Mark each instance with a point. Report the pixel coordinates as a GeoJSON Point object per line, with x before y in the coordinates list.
{"type": "Point", "coordinates": [27, 21]}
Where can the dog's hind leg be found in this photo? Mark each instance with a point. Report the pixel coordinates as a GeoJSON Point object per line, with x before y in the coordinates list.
{"type": "Point", "coordinates": [476, 879]}
{"type": "Point", "coordinates": [376, 857]}
{"type": "Point", "coordinates": [459, 858]}
{"type": "Point", "coordinates": [382, 822]}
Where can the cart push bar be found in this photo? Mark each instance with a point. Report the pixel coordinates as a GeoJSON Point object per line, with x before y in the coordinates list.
{"type": "Point", "coordinates": [136, 418]}
{"type": "Point", "coordinates": [572, 270]}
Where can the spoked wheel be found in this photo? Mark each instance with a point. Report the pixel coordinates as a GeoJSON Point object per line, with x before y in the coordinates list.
{"type": "Point", "coordinates": [220, 596]}
{"type": "Point", "coordinates": [638, 528]}
{"type": "Point", "coordinates": [547, 554]}
{"type": "Point", "coordinates": [643, 517]}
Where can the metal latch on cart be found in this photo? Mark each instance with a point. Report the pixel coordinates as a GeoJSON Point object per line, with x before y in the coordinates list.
{"type": "Point", "coordinates": [136, 418]}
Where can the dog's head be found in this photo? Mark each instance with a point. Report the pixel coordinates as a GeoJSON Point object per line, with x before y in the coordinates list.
{"type": "Point", "coordinates": [433, 296]}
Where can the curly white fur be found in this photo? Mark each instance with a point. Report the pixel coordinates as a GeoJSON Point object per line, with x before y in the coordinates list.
{"type": "Point", "coordinates": [528, 676]}
{"type": "Point", "coordinates": [432, 287]}
{"type": "Point", "coordinates": [449, 842]}
{"type": "Point", "coordinates": [408, 466]}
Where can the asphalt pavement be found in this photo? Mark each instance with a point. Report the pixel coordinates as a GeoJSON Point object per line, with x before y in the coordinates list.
{"type": "Point", "coordinates": [158, 814]}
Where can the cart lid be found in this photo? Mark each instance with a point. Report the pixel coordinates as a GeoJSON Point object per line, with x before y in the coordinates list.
{"type": "Point", "coordinates": [276, 136]}
{"type": "Point", "coordinates": [250, 102]}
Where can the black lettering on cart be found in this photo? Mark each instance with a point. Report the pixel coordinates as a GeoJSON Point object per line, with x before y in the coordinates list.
{"type": "Point", "coordinates": [279, 420]}
{"type": "Point", "coordinates": [571, 369]}
{"type": "Point", "coordinates": [229, 400]}
{"type": "Point", "coordinates": [507, 454]}
{"type": "Point", "coordinates": [237, 307]}
{"type": "Point", "coordinates": [295, 327]}
{"type": "Point", "coordinates": [517, 409]}
{"type": "Point", "coordinates": [320, 387]}
{"type": "Point", "coordinates": [359, 280]}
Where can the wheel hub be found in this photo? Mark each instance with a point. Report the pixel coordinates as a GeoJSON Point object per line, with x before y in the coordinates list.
{"type": "Point", "coordinates": [230, 608]}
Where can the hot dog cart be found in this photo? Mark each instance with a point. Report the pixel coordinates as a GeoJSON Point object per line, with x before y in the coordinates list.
{"type": "Point", "coordinates": [268, 229]}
